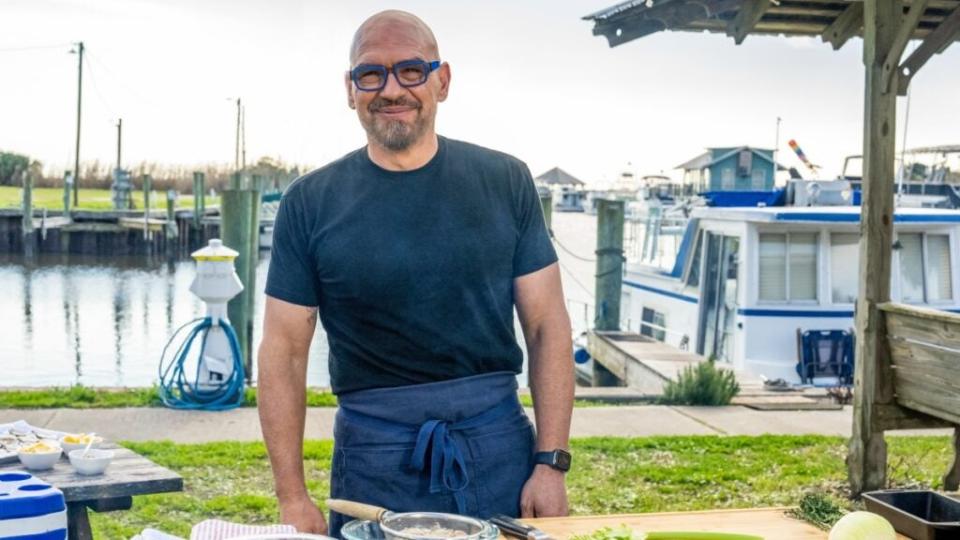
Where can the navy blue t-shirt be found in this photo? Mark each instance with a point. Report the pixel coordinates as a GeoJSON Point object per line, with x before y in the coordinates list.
{"type": "Point", "coordinates": [412, 271]}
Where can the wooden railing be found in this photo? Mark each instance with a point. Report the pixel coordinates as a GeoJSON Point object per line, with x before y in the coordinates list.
{"type": "Point", "coordinates": [925, 356]}
{"type": "Point", "coordinates": [924, 372]}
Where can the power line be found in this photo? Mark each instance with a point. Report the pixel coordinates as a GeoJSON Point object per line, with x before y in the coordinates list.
{"type": "Point", "coordinates": [35, 47]}
{"type": "Point", "coordinates": [96, 89]}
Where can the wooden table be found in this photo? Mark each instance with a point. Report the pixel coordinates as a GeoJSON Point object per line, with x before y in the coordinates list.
{"type": "Point", "coordinates": [769, 523]}
{"type": "Point", "coordinates": [129, 474]}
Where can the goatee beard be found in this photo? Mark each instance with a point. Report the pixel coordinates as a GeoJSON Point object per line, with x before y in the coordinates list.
{"type": "Point", "coordinates": [395, 135]}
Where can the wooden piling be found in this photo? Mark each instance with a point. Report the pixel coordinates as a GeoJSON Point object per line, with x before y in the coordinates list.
{"type": "Point", "coordinates": [546, 202]}
{"type": "Point", "coordinates": [609, 264]}
{"type": "Point", "coordinates": [199, 201]}
{"type": "Point", "coordinates": [67, 183]}
{"type": "Point", "coordinates": [29, 239]}
{"type": "Point", "coordinates": [170, 231]}
{"type": "Point", "coordinates": [147, 187]}
{"type": "Point", "coordinates": [609, 277]}
{"type": "Point", "coordinates": [237, 210]}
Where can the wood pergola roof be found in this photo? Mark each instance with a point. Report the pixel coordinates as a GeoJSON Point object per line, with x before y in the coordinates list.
{"type": "Point", "coordinates": [834, 21]}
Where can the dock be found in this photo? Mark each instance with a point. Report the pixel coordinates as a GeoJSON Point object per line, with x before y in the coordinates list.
{"type": "Point", "coordinates": [645, 365]}
{"type": "Point", "coordinates": [119, 232]}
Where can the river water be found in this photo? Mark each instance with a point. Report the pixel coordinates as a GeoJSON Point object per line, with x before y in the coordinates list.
{"type": "Point", "coordinates": [98, 321]}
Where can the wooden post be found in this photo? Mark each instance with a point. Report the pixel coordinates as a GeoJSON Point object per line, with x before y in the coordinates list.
{"type": "Point", "coordinates": [608, 279]}
{"type": "Point", "coordinates": [170, 235]}
{"type": "Point", "coordinates": [609, 264]}
{"type": "Point", "coordinates": [546, 202]}
{"type": "Point", "coordinates": [29, 239]}
{"type": "Point", "coordinates": [67, 183]}
{"type": "Point", "coordinates": [147, 187]}
{"type": "Point", "coordinates": [237, 207]}
{"type": "Point", "coordinates": [235, 181]}
{"type": "Point", "coordinates": [199, 202]}
{"type": "Point", "coordinates": [867, 459]}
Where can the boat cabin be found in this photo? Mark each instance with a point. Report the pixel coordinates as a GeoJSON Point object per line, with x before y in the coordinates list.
{"type": "Point", "coordinates": [746, 282]}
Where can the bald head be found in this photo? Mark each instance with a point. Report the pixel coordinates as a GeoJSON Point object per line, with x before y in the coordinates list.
{"type": "Point", "coordinates": [395, 27]}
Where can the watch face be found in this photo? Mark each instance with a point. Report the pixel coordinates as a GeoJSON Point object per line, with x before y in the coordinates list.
{"type": "Point", "coordinates": [563, 460]}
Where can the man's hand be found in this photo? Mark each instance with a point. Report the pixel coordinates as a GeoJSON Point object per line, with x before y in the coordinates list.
{"type": "Point", "coordinates": [544, 494]}
{"type": "Point", "coordinates": [303, 514]}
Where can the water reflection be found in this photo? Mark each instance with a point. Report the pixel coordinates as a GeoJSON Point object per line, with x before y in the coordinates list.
{"type": "Point", "coordinates": [103, 322]}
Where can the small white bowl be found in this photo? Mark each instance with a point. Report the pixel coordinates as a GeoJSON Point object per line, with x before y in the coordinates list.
{"type": "Point", "coordinates": [40, 461]}
{"type": "Point", "coordinates": [70, 447]}
{"type": "Point", "coordinates": [95, 462]}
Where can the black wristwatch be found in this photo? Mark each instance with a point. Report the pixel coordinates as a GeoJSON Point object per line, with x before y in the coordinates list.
{"type": "Point", "coordinates": [559, 459]}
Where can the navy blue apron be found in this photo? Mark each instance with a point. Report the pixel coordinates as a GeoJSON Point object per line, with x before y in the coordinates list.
{"type": "Point", "coordinates": [462, 446]}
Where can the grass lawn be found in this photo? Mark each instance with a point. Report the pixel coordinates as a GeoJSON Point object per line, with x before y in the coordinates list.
{"type": "Point", "coordinates": [611, 475]}
{"type": "Point", "coordinates": [81, 397]}
{"type": "Point", "coordinates": [91, 199]}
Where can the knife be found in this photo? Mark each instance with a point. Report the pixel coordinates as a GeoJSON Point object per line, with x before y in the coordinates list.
{"type": "Point", "coordinates": [513, 527]}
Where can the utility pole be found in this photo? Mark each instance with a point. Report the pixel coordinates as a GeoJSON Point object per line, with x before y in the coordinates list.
{"type": "Point", "coordinates": [119, 139]}
{"type": "Point", "coordinates": [776, 146]}
{"type": "Point", "coordinates": [76, 161]}
{"type": "Point", "coordinates": [243, 148]}
{"type": "Point", "coordinates": [236, 157]}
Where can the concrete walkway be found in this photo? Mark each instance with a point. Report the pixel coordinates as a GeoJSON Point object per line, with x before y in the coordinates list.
{"type": "Point", "coordinates": [142, 424]}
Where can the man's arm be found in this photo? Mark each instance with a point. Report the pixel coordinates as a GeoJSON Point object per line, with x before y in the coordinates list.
{"type": "Point", "coordinates": [546, 329]}
{"type": "Point", "coordinates": [281, 401]}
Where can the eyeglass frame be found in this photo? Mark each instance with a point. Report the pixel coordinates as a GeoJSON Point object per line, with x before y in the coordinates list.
{"type": "Point", "coordinates": [385, 73]}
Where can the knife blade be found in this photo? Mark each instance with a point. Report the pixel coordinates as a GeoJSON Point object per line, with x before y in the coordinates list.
{"type": "Point", "coordinates": [513, 527]}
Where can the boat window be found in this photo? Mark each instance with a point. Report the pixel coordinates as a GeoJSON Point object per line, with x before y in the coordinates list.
{"type": "Point", "coordinates": [693, 276]}
{"type": "Point", "coordinates": [844, 262]}
{"type": "Point", "coordinates": [803, 266]}
{"type": "Point", "coordinates": [653, 324]}
{"type": "Point", "coordinates": [788, 266]}
{"type": "Point", "coordinates": [773, 266]}
{"type": "Point", "coordinates": [939, 272]}
{"type": "Point", "coordinates": [911, 267]}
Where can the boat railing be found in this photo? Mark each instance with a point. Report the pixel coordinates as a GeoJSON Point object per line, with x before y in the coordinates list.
{"type": "Point", "coordinates": [653, 238]}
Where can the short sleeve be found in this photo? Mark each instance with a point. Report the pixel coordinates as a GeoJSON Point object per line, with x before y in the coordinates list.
{"type": "Point", "coordinates": [292, 276]}
{"type": "Point", "coordinates": [534, 248]}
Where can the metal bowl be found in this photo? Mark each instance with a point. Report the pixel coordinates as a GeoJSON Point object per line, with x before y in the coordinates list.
{"type": "Point", "coordinates": [368, 530]}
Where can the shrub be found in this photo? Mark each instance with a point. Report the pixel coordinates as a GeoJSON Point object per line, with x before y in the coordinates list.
{"type": "Point", "coordinates": [701, 384]}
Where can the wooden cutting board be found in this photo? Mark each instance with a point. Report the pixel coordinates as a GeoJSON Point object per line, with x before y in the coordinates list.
{"type": "Point", "coordinates": [769, 523]}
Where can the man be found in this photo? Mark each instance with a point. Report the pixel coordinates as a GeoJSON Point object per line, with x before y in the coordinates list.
{"type": "Point", "coordinates": [414, 250]}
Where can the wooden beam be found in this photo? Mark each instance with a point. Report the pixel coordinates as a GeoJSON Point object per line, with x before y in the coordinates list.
{"type": "Point", "coordinates": [845, 26]}
{"type": "Point", "coordinates": [867, 459]}
{"type": "Point", "coordinates": [936, 42]}
{"type": "Point", "coordinates": [747, 17]}
{"type": "Point", "coordinates": [905, 30]}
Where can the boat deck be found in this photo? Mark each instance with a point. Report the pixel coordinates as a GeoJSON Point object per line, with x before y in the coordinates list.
{"type": "Point", "coordinates": [645, 365]}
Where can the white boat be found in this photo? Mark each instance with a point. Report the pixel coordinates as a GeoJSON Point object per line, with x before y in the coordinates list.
{"type": "Point", "coordinates": [747, 280]}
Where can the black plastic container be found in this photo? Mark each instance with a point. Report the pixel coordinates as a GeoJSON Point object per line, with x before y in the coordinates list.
{"type": "Point", "coordinates": [918, 514]}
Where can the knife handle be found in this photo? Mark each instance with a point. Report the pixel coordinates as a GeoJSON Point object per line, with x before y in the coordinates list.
{"type": "Point", "coordinates": [511, 526]}
{"type": "Point", "coordinates": [356, 510]}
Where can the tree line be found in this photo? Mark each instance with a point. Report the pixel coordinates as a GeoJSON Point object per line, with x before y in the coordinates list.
{"type": "Point", "coordinates": [99, 175]}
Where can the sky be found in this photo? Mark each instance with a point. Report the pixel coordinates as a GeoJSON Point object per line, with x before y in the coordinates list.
{"type": "Point", "coordinates": [529, 78]}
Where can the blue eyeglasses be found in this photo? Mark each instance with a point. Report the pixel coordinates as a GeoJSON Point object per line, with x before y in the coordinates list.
{"type": "Point", "coordinates": [373, 77]}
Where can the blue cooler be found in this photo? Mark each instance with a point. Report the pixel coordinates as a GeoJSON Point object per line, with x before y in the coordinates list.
{"type": "Point", "coordinates": [30, 509]}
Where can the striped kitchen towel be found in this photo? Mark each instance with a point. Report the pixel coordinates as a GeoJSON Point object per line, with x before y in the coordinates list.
{"type": "Point", "coordinates": [216, 529]}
